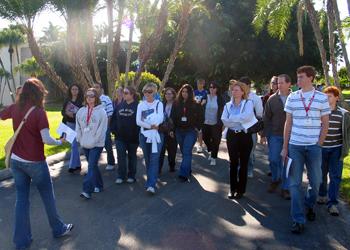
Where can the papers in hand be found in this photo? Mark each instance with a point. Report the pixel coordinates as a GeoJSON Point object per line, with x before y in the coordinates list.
{"type": "Point", "coordinates": [287, 164]}
{"type": "Point", "coordinates": [70, 133]}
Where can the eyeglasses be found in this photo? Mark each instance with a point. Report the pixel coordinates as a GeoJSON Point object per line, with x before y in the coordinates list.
{"type": "Point", "coordinates": [169, 93]}
{"type": "Point", "coordinates": [90, 95]}
{"type": "Point", "coordinates": [212, 87]}
{"type": "Point", "coordinates": [148, 91]}
{"type": "Point", "coordinates": [126, 92]}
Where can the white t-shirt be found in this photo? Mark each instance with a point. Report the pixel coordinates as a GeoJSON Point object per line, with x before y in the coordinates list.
{"type": "Point", "coordinates": [306, 127]}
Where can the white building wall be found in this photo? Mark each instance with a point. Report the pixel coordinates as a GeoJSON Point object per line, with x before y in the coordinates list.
{"type": "Point", "coordinates": [5, 92]}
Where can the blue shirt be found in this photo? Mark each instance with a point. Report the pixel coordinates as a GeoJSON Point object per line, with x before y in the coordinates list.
{"type": "Point", "coordinates": [200, 95]}
{"type": "Point", "coordinates": [235, 110]}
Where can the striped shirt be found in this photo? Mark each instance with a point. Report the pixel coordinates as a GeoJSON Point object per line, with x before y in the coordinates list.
{"type": "Point", "coordinates": [107, 104]}
{"type": "Point", "coordinates": [306, 127]}
{"type": "Point", "coordinates": [334, 136]}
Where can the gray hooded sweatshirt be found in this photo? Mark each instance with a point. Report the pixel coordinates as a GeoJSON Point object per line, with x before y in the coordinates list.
{"type": "Point", "coordinates": [92, 134]}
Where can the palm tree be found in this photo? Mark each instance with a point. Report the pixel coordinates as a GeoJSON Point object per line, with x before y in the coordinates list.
{"type": "Point", "coordinates": [185, 7]}
{"type": "Point", "coordinates": [4, 77]}
{"type": "Point", "coordinates": [52, 33]}
{"type": "Point", "coordinates": [11, 37]}
{"type": "Point", "coordinates": [24, 12]}
{"type": "Point", "coordinates": [278, 13]}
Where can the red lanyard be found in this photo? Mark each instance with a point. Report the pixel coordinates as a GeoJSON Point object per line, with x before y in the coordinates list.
{"type": "Point", "coordinates": [184, 111]}
{"type": "Point", "coordinates": [89, 114]}
{"type": "Point", "coordinates": [303, 100]}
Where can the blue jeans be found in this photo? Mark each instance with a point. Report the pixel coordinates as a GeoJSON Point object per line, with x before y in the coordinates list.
{"type": "Point", "coordinates": [38, 173]}
{"type": "Point", "coordinates": [151, 159]}
{"type": "Point", "coordinates": [109, 148]}
{"type": "Point", "coordinates": [126, 152]}
{"type": "Point", "coordinates": [331, 164]}
{"type": "Point", "coordinates": [278, 172]}
{"type": "Point", "coordinates": [186, 140]}
{"type": "Point", "coordinates": [252, 155]}
{"type": "Point", "coordinates": [93, 178]}
{"type": "Point", "coordinates": [311, 157]}
{"type": "Point", "coordinates": [74, 161]}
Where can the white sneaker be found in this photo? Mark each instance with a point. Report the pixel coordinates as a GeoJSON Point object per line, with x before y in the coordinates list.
{"type": "Point", "coordinates": [151, 190]}
{"type": "Point", "coordinates": [85, 195]}
{"type": "Point", "coordinates": [97, 190]}
{"type": "Point", "coordinates": [250, 175]}
{"type": "Point", "coordinates": [209, 157]}
{"type": "Point", "coordinates": [110, 167]}
{"type": "Point", "coordinates": [199, 149]}
{"type": "Point", "coordinates": [68, 230]}
{"type": "Point", "coordinates": [130, 180]}
{"type": "Point", "coordinates": [212, 162]}
{"type": "Point", "coordinates": [333, 210]}
{"type": "Point", "coordinates": [119, 181]}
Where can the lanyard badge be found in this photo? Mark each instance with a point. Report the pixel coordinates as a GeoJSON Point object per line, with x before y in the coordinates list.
{"type": "Point", "coordinates": [308, 120]}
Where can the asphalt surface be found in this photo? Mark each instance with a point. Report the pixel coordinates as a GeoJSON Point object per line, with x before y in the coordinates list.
{"type": "Point", "coordinates": [195, 215]}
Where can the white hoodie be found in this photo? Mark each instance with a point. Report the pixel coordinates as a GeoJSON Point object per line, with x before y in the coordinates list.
{"type": "Point", "coordinates": [93, 134]}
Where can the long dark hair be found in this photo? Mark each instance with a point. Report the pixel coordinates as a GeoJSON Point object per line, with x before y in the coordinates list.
{"type": "Point", "coordinates": [180, 99]}
{"type": "Point", "coordinates": [80, 97]}
{"type": "Point", "coordinates": [218, 90]}
{"type": "Point", "coordinates": [33, 93]}
{"type": "Point", "coordinates": [133, 92]}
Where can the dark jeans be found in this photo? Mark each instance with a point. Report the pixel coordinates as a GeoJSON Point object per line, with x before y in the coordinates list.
{"type": "Point", "coordinates": [331, 164]}
{"type": "Point", "coordinates": [93, 178]}
{"type": "Point", "coordinates": [239, 146]}
{"type": "Point", "coordinates": [170, 145]}
{"type": "Point", "coordinates": [126, 153]}
{"type": "Point", "coordinates": [212, 138]}
{"type": "Point", "coordinates": [109, 148]}
{"type": "Point", "coordinates": [186, 139]}
{"type": "Point", "coordinates": [37, 173]}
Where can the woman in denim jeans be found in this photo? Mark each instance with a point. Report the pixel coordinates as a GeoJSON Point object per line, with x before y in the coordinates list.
{"type": "Point", "coordinates": [70, 108]}
{"type": "Point", "coordinates": [149, 116]}
{"type": "Point", "coordinates": [28, 162]}
{"type": "Point", "coordinates": [91, 127]}
{"type": "Point", "coordinates": [188, 118]}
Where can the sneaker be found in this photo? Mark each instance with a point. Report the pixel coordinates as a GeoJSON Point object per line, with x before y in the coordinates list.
{"type": "Point", "coordinates": [310, 214]}
{"type": "Point", "coordinates": [151, 190]}
{"type": "Point", "coordinates": [110, 167]}
{"type": "Point", "coordinates": [199, 149]}
{"type": "Point", "coordinates": [68, 230]}
{"type": "Point", "coordinates": [85, 195]}
{"type": "Point", "coordinates": [212, 162]}
{"type": "Point", "coordinates": [119, 181]}
{"type": "Point", "coordinates": [322, 200]}
{"type": "Point", "coordinates": [230, 195]}
{"type": "Point", "coordinates": [250, 175]}
{"type": "Point", "coordinates": [238, 196]}
{"type": "Point", "coordinates": [285, 194]}
{"type": "Point", "coordinates": [209, 157]}
{"type": "Point", "coordinates": [297, 228]}
{"type": "Point", "coordinates": [97, 190]}
{"type": "Point", "coordinates": [130, 180]}
{"type": "Point", "coordinates": [273, 186]}
{"type": "Point", "coordinates": [333, 210]}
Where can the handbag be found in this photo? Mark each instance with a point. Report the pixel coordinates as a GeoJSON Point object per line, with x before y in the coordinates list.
{"type": "Point", "coordinates": [12, 140]}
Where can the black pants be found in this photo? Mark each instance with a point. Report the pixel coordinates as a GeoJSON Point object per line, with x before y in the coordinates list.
{"type": "Point", "coordinates": [212, 138]}
{"type": "Point", "coordinates": [170, 145]}
{"type": "Point", "coordinates": [239, 146]}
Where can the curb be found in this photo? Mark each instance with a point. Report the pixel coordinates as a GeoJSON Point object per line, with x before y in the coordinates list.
{"type": "Point", "coordinates": [51, 160]}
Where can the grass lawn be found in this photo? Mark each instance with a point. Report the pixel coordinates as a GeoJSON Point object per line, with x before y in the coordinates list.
{"type": "Point", "coordinates": [346, 93]}
{"type": "Point", "coordinates": [54, 116]}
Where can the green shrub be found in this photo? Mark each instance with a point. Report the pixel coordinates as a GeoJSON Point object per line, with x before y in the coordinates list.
{"type": "Point", "coordinates": [146, 77]}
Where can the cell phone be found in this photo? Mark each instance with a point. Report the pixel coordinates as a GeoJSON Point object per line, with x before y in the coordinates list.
{"type": "Point", "coordinates": [63, 135]}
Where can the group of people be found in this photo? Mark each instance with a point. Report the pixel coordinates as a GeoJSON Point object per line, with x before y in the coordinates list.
{"type": "Point", "coordinates": [306, 126]}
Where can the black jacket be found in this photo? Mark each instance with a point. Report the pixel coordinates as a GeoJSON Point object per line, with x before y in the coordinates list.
{"type": "Point", "coordinates": [193, 113]}
{"type": "Point", "coordinates": [69, 105]}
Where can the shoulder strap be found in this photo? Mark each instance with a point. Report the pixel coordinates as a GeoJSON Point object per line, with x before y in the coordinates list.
{"type": "Point", "coordinates": [23, 121]}
{"type": "Point", "coordinates": [157, 107]}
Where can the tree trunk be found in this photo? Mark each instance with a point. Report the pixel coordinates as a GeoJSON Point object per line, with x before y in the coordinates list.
{"type": "Point", "coordinates": [17, 53]}
{"type": "Point", "coordinates": [76, 52]}
{"type": "Point", "coordinates": [317, 32]}
{"type": "Point", "coordinates": [34, 48]}
{"type": "Point", "coordinates": [109, 4]}
{"type": "Point", "coordinates": [181, 37]}
{"type": "Point", "coordinates": [331, 29]}
{"type": "Point", "coordinates": [349, 7]}
{"type": "Point", "coordinates": [12, 93]}
{"type": "Point", "coordinates": [149, 45]}
{"type": "Point", "coordinates": [129, 50]}
{"type": "Point", "coordinates": [115, 74]}
{"type": "Point", "coordinates": [341, 35]}
{"type": "Point", "coordinates": [11, 68]}
{"type": "Point", "coordinates": [91, 44]}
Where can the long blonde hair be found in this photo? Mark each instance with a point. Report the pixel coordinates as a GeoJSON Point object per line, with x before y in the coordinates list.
{"type": "Point", "coordinates": [243, 87]}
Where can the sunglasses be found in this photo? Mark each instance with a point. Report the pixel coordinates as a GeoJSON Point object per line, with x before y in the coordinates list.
{"type": "Point", "coordinates": [126, 93]}
{"type": "Point", "coordinates": [212, 87]}
{"type": "Point", "coordinates": [148, 92]}
{"type": "Point", "coordinates": [90, 95]}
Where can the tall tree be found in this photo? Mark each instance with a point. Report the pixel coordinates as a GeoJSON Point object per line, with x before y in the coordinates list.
{"type": "Point", "coordinates": [150, 39]}
{"type": "Point", "coordinates": [25, 11]}
{"type": "Point", "coordinates": [4, 78]}
{"type": "Point", "coordinates": [185, 7]}
{"type": "Point", "coordinates": [29, 67]}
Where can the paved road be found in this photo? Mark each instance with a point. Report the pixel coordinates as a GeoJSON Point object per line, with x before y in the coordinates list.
{"type": "Point", "coordinates": [194, 215]}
